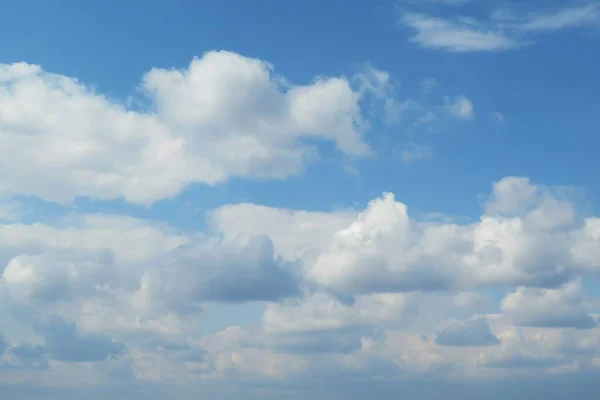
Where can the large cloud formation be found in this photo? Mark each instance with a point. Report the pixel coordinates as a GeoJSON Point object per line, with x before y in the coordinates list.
{"type": "Point", "coordinates": [375, 291]}
{"type": "Point", "coordinates": [223, 116]}
{"type": "Point", "coordinates": [526, 236]}
{"type": "Point", "coordinates": [341, 296]}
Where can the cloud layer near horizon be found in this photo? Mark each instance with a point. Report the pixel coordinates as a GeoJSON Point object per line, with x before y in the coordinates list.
{"type": "Point", "coordinates": [375, 291]}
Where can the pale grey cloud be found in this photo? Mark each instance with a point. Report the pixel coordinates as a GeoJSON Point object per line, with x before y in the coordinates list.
{"type": "Point", "coordinates": [413, 152]}
{"type": "Point", "coordinates": [549, 308]}
{"type": "Point", "coordinates": [475, 332]}
{"type": "Point", "coordinates": [63, 342]}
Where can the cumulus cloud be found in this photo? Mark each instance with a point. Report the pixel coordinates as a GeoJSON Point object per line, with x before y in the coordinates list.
{"type": "Point", "coordinates": [241, 271]}
{"type": "Point", "coordinates": [295, 233]}
{"type": "Point", "coordinates": [550, 350]}
{"type": "Point", "coordinates": [47, 278]}
{"type": "Point", "coordinates": [131, 240]}
{"type": "Point", "coordinates": [61, 342]}
{"type": "Point", "coordinates": [550, 308]}
{"type": "Point", "coordinates": [224, 115]}
{"type": "Point", "coordinates": [321, 323]}
{"type": "Point", "coordinates": [354, 290]}
{"type": "Point", "coordinates": [131, 278]}
{"type": "Point", "coordinates": [471, 333]}
{"type": "Point", "coordinates": [322, 312]}
{"type": "Point", "coordinates": [383, 250]}
{"type": "Point", "coordinates": [526, 236]}
{"type": "Point", "coordinates": [64, 343]}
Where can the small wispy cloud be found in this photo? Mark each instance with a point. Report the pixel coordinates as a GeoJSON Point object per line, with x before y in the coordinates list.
{"type": "Point", "coordinates": [425, 119]}
{"type": "Point", "coordinates": [395, 110]}
{"type": "Point", "coordinates": [378, 84]}
{"type": "Point", "coordinates": [503, 31]}
{"type": "Point", "coordinates": [563, 19]}
{"type": "Point", "coordinates": [502, 15]}
{"type": "Point", "coordinates": [498, 118]}
{"type": "Point", "coordinates": [427, 85]}
{"type": "Point", "coordinates": [413, 153]}
{"type": "Point", "coordinates": [458, 36]}
{"type": "Point", "coordinates": [460, 107]}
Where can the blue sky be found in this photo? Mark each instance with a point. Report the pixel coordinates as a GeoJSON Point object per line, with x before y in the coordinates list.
{"type": "Point", "coordinates": [288, 194]}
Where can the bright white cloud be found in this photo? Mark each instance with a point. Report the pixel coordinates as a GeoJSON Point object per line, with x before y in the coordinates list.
{"type": "Point", "coordinates": [549, 350]}
{"type": "Point", "coordinates": [294, 233]}
{"type": "Point", "coordinates": [127, 277]}
{"type": "Point", "coordinates": [533, 241]}
{"type": "Point", "coordinates": [321, 312]}
{"type": "Point", "coordinates": [132, 292]}
{"type": "Point", "coordinates": [383, 250]}
{"type": "Point", "coordinates": [223, 116]}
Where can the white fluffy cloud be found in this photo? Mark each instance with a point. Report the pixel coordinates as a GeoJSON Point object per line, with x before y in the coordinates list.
{"type": "Point", "coordinates": [294, 233]}
{"type": "Point", "coordinates": [130, 277]}
{"type": "Point", "coordinates": [131, 293]}
{"type": "Point", "coordinates": [384, 250]}
{"type": "Point", "coordinates": [555, 308]}
{"type": "Point", "coordinates": [551, 350]}
{"type": "Point", "coordinates": [223, 116]}
{"type": "Point", "coordinates": [527, 236]}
